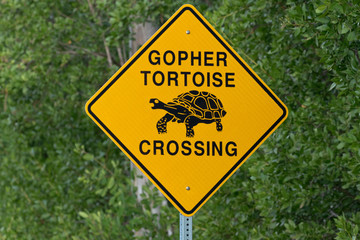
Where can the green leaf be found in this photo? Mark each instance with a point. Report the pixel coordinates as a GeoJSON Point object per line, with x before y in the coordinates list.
{"type": "Point", "coordinates": [340, 145]}
{"type": "Point", "coordinates": [351, 36]}
{"type": "Point", "coordinates": [344, 29]}
{"type": "Point", "coordinates": [332, 86]}
{"type": "Point", "coordinates": [110, 183]}
{"type": "Point", "coordinates": [88, 156]}
{"type": "Point", "coordinates": [322, 19]}
{"type": "Point", "coordinates": [83, 214]}
{"type": "Point", "coordinates": [323, 27]}
{"type": "Point", "coordinates": [320, 9]}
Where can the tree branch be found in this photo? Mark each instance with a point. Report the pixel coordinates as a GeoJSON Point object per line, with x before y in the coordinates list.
{"type": "Point", "coordinates": [121, 58]}
{"type": "Point", "coordinates": [357, 55]}
{"type": "Point", "coordinates": [107, 50]}
{"type": "Point", "coordinates": [82, 49]}
{"type": "Point", "coordinates": [70, 49]}
{"type": "Point", "coordinates": [108, 55]}
{"type": "Point", "coordinates": [5, 98]}
{"type": "Point", "coordinates": [91, 8]}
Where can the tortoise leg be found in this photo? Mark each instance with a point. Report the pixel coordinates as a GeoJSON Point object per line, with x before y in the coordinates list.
{"type": "Point", "coordinates": [190, 122]}
{"type": "Point", "coordinates": [161, 124]}
{"type": "Point", "coordinates": [219, 126]}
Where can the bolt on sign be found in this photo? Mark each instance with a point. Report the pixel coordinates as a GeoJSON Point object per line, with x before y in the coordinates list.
{"type": "Point", "coordinates": [187, 110]}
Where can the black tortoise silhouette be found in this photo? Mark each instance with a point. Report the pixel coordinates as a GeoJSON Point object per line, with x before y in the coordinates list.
{"type": "Point", "coordinates": [192, 107]}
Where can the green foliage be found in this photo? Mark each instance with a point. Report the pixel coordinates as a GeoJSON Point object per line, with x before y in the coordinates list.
{"type": "Point", "coordinates": [62, 178]}
{"type": "Point", "coordinates": [348, 228]}
{"type": "Point", "coordinates": [307, 173]}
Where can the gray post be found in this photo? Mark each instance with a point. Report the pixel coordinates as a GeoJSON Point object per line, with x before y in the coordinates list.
{"type": "Point", "coordinates": [185, 227]}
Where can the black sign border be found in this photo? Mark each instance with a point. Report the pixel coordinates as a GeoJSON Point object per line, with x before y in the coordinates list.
{"type": "Point", "coordinates": [128, 65]}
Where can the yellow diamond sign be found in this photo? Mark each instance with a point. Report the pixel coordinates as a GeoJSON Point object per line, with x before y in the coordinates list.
{"type": "Point", "coordinates": [187, 110]}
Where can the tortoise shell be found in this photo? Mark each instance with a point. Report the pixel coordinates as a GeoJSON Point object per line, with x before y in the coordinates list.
{"type": "Point", "coordinates": [203, 105]}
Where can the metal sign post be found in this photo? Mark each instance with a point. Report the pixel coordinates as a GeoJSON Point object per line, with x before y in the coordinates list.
{"type": "Point", "coordinates": [185, 227]}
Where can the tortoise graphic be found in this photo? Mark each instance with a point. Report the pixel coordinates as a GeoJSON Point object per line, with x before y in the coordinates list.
{"type": "Point", "coordinates": [192, 107]}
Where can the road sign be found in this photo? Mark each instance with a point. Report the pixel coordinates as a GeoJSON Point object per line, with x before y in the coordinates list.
{"type": "Point", "coordinates": [187, 110]}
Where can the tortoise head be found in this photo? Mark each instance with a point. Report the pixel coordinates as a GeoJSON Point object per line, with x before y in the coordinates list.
{"type": "Point", "coordinates": [157, 104]}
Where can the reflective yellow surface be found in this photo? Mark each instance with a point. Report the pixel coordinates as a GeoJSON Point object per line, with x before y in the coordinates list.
{"type": "Point", "coordinates": [187, 54]}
